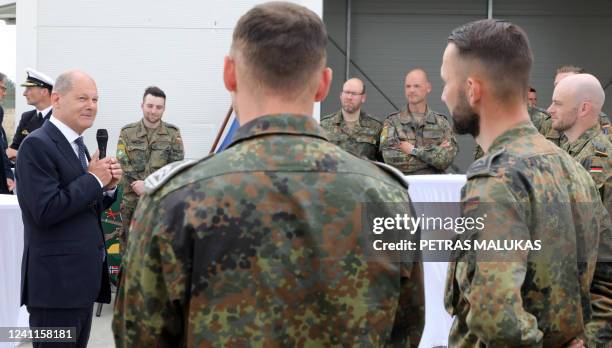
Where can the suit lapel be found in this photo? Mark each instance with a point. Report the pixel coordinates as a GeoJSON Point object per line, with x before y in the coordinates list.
{"type": "Point", "coordinates": [63, 145]}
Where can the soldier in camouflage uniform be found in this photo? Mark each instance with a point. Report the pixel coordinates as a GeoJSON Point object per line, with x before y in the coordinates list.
{"type": "Point", "coordinates": [527, 189]}
{"type": "Point", "coordinates": [144, 147]}
{"type": "Point", "coordinates": [568, 70]}
{"type": "Point", "coordinates": [417, 140]}
{"type": "Point", "coordinates": [261, 245]}
{"type": "Point", "coordinates": [577, 101]}
{"type": "Point", "coordinates": [350, 127]}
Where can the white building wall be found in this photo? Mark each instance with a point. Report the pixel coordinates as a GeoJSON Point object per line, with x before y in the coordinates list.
{"type": "Point", "coordinates": [126, 46]}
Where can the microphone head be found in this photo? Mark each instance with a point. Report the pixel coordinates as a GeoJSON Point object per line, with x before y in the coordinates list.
{"type": "Point", "coordinates": [102, 138]}
{"type": "Point", "coordinates": [101, 134]}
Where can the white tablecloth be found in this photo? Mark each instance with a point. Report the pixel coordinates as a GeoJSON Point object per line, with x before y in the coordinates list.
{"type": "Point", "coordinates": [11, 250]}
{"type": "Point", "coordinates": [435, 188]}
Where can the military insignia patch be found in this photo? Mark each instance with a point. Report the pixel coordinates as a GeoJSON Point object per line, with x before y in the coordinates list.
{"type": "Point", "coordinates": [384, 134]}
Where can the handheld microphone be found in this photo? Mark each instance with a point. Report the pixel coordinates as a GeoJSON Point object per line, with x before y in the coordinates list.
{"type": "Point", "coordinates": [102, 138]}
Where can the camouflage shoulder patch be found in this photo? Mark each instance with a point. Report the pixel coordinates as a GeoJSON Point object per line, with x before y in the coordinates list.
{"type": "Point", "coordinates": [161, 176]}
{"type": "Point", "coordinates": [393, 172]}
{"type": "Point", "coordinates": [482, 166]}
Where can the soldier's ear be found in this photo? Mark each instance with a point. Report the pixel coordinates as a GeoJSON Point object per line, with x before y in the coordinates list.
{"type": "Point", "coordinates": [324, 84]}
{"type": "Point", "coordinates": [473, 90]}
{"type": "Point", "coordinates": [229, 74]}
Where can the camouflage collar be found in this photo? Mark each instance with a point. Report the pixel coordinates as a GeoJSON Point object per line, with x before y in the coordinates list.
{"type": "Point", "coordinates": [142, 129]}
{"type": "Point", "coordinates": [430, 116]}
{"type": "Point", "coordinates": [338, 119]}
{"type": "Point", "coordinates": [521, 130]}
{"type": "Point", "coordinates": [577, 145]}
{"type": "Point", "coordinates": [279, 124]}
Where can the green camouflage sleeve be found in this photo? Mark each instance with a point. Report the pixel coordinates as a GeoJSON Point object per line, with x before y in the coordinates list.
{"type": "Point", "coordinates": [149, 309]}
{"type": "Point", "coordinates": [129, 175]}
{"type": "Point", "coordinates": [442, 156]}
{"type": "Point", "coordinates": [389, 146]}
{"type": "Point", "coordinates": [178, 152]}
{"type": "Point", "coordinates": [493, 288]}
{"type": "Point", "coordinates": [599, 329]}
{"type": "Point", "coordinates": [410, 317]}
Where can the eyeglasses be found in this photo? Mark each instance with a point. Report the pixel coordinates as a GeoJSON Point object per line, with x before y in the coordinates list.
{"type": "Point", "coordinates": [351, 94]}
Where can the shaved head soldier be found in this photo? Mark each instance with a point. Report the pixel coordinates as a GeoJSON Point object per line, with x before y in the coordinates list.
{"type": "Point", "coordinates": [576, 105]}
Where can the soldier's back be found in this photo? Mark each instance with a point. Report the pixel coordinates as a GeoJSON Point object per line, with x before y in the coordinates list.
{"type": "Point", "coordinates": [270, 233]}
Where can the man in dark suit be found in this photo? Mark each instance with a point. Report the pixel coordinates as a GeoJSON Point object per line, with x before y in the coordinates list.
{"type": "Point", "coordinates": [38, 94]}
{"type": "Point", "coordinates": [61, 192]}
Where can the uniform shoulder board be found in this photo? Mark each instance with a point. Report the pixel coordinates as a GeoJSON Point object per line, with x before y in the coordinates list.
{"type": "Point", "coordinates": [372, 118]}
{"type": "Point", "coordinates": [324, 117]}
{"type": "Point", "coordinates": [170, 125]}
{"type": "Point", "coordinates": [161, 176]}
{"type": "Point", "coordinates": [600, 149]}
{"type": "Point", "coordinates": [392, 114]}
{"type": "Point", "coordinates": [539, 109]}
{"type": "Point", "coordinates": [482, 166]}
{"type": "Point", "coordinates": [129, 125]}
{"type": "Point", "coordinates": [394, 172]}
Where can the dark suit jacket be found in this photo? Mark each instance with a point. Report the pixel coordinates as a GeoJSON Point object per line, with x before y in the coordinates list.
{"type": "Point", "coordinates": [27, 124]}
{"type": "Point", "coordinates": [61, 204]}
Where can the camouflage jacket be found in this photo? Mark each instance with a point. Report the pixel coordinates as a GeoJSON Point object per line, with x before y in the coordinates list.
{"type": "Point", "coordinates": [538, 117]}
{"type": "Point", "coordinates": [261, 245]}
{"type": "Point", "coordinates": [139, 157]}
{"type": "Point", "coordinates": [362, 140]}
{"type": "Point", "coordinates": [593, 150]}
{"type": "Point", "coordinates": [434, 142]}
{"type": "Point", "coordinates": [529, 190]}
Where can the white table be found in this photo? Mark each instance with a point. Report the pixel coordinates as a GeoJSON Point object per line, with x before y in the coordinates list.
{"type": "Point", "coordinates": [11, 250]}
{"type": "Point", "coordinates": [427, 189]}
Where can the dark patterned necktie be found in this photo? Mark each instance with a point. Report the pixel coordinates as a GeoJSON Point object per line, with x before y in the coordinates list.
{"type": "Point", "coordinates": [82, 150]}
{"type": "Point", "coordinates": [40, 116]}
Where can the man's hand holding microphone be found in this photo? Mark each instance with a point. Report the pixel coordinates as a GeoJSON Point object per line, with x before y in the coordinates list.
{"type": "Point", "coordinates": [106, 169]}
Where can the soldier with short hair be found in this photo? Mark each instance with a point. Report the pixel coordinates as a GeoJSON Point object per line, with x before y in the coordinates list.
{"type": "Point", "coordinates": [351, 128]}
{"type": "Point", "coordinates": [418, 140]}
{"type": "Point", "coordinates": [144, 147]}
{"type": "Point", "coordinates": [526, 189]}
{"type": "Point", "coordinates": [262, 244]}
{"type": "Point", "coordinates": [576, 104]}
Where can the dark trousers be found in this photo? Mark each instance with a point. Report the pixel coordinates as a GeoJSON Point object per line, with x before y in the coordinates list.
{"type": "Point", "coordinates": [79, 318]}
